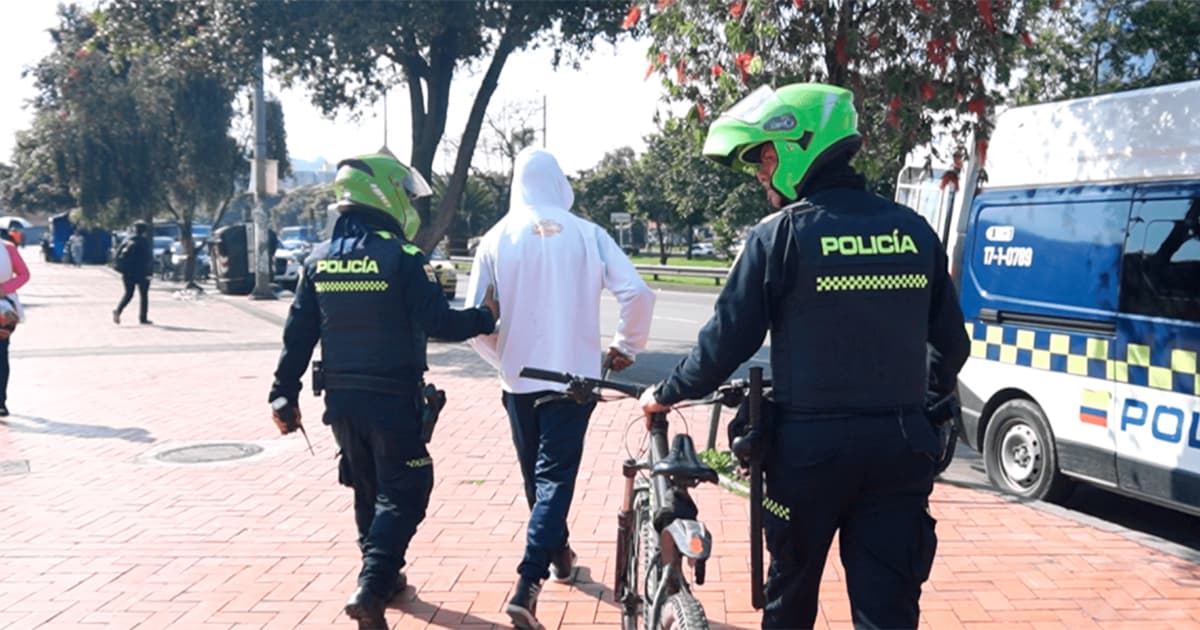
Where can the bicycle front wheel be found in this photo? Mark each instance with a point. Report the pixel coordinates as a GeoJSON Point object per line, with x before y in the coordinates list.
{"type": "Point", "coordinates": [683, 612]}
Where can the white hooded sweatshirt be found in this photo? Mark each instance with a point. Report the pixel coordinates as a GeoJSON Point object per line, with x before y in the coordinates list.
{"type": "Point", "coordinates": [548, 267]}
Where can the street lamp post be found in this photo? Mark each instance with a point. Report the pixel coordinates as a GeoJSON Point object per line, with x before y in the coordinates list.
{"type": "Point", "coordinates": [262, 254]}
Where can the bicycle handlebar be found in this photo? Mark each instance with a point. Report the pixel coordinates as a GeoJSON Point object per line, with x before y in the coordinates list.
{"type": "Point", "coordinates": [582, 383]}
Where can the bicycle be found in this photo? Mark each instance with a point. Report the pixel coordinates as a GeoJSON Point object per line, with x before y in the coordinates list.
{"type": "Point", "coordinates": [658, 526]}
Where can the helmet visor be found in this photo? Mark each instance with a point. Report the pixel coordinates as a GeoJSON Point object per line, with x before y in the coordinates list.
{"type": "Point", "coordinates": [754, 106]}
{"type": "Point", "coordinates": [416, 185]}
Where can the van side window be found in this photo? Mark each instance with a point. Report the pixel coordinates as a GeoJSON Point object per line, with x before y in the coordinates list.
{"type": "Point", "coordinates": [1161, 270]}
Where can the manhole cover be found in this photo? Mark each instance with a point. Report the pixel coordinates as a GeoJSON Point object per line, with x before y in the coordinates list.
{"type": "Point", "coordinates": [14, 466]}
{"type": "Point", "coordinates": [206, 453]}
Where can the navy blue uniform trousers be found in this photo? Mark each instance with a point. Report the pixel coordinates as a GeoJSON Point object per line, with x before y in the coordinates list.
{"type": "Point", "coordinates": [549, 443]}
{"type": "Point", "coordinates": [867, 478]}
{"type": "Point", "coordinates": [385, 461]}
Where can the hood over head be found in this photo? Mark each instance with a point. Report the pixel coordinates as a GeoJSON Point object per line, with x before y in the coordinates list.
{"type": "Point", "coordinates": [539, 183]}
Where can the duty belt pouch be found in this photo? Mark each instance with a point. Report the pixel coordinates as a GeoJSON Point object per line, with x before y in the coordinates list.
{"type": "Point", "coordinates": [431, 402]}
{"type": "Point", "coordinates": [739, 427]}
{"type": "Point", "coordinates": [318, 378]}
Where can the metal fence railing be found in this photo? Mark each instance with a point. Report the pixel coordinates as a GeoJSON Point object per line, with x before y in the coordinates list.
{"type": "Point", "coordinates": [655, 271]}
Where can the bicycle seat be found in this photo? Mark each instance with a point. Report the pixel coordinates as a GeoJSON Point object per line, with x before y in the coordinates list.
{"type": "Point", "coordinates": [683, 462]}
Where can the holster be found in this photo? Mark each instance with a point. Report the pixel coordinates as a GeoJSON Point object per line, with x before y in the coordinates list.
{"type": "Point", "coordinates": [749, 445]}
{"type": "Point", "coordinates": [318, 378]}
{"type": "Point", "coordinates": [943, 410]}
{"type": "Point", "coordinates": [432, 401]}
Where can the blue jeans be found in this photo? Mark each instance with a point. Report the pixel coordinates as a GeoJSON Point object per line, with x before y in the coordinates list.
{"type": "Point", "coordinates": [867, 478]}
{"type": "Point", "coordinates": [549, 443]}
{"type": "Point", "coordinates": [386, 463]}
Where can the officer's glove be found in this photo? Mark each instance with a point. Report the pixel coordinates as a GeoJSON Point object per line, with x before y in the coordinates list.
{"type": "Point", "coordinates": [286, 415]}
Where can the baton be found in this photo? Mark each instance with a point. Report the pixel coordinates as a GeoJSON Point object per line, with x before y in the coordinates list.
{"type": "Point", "coordinates": [305, 434]}
{"type": "Point", "coordinates": [756, 493]}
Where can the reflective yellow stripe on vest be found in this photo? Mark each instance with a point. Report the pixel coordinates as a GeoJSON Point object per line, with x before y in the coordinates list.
{"type": "Point", "coordinates": [350, 286]}
{"type": "Point", "coordinates": [873, 282]}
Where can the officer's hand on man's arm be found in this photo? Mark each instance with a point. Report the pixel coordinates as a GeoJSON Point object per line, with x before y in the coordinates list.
{"type": "Point", "coordinates": [490, 302]}
{"type": "Point", "coordinates": [286, 415]}
{"type": "Point", "coordinates": [650, 405]}
{"type": "Point", "coordinates": [617, 360]}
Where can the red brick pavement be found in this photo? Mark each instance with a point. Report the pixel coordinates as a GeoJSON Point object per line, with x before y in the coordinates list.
{"type": "Point", "coordinates": [98, 535]}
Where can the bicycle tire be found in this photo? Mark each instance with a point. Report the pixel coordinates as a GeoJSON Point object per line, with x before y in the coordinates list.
{"type": "Point", "coordinates": [682, 611]}
{"type": "Point", "coordinates": [629, 619]}
{"type": "Point", "coordinates": [651, 555]}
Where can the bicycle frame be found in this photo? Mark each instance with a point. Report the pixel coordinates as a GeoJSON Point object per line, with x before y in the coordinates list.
{"type": "Point", "coordinates": [678, 538]}
{"type": "Point", "coordinates": [667, 507]}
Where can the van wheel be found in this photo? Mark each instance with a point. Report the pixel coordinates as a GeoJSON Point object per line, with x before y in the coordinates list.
{"type": "Point", "coordinates": [1019, 455]}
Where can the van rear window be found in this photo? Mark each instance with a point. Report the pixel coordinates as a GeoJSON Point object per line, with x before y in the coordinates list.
{"type": "Point", "coordinates": [1050, 257]}
{"type": "Point", "coordinates": [1161, 275]}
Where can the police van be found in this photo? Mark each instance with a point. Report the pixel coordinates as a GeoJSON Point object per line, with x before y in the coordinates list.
{"type": "Point", "coordinates": [1078, 265]}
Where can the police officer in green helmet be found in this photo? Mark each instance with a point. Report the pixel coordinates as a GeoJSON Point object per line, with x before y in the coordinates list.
{"type": "Point", "coordinates": [371, 298]}
{"type": "Point", "coordinates": [855, 293]}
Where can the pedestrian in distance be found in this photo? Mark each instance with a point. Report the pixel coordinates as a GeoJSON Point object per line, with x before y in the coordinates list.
{"type": "Point", "coordinates": [371, 298]}
{"type": "Point", "coordinates": [135, 261]}
{"type": "Point", "coordinates": [852, 288]}
{"type": "Point", "coordinates": [14, 274]}
{"type": "Point", "coordinates": [549, 268]}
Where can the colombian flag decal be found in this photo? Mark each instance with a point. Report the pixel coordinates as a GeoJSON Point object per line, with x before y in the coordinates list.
{"type": "Point", "coordinates": [1093, 409]}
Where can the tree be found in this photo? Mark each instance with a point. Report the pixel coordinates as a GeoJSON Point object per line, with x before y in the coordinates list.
{"type": "Point", "coordinates": [350, 54]}
{"type": "Point", "coordinates": [277, 137]}
{"type": "Point", "coordinates": [911, 64]}
{"type": "Point", "coordinates": [601, 190]}
{"type": "Point", "coordinates": [1101, 46]}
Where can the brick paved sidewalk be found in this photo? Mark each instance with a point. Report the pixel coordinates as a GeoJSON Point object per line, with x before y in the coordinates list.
{"type": "Point", "coordinates": [99, 535]}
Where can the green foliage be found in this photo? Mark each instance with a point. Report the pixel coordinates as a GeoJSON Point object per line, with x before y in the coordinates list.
{"type": "Point", "coordinates": [911, 65]}
{"type": "Point", "coordinates": [303, 206]}
{"type": "Point", "coordinates": [1100, 46]}
{"type": "Point", "coordinates": [348, 54]}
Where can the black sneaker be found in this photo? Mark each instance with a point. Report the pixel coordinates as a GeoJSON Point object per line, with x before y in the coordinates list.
{"type": "Point", "coordinates": [367, 609]}
{"type": "Point", "coordinates": [522, 608]}
{"type": "Point", "coordinates": [401, 584]}
{"type": "Point", "coordinates": [3, 410]}
{"type": "Point", "coordinates": [145, 322]}
{"type": "Point", "coordinates": [563, 565]}
{"type": "Point", "coordinates": [116, 317]}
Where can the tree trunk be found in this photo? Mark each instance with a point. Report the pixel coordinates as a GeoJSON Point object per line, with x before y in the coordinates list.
{"type": "Point", "coordinates": [433, 231]}
{"type": "Point", "coordinates": [662, 243]}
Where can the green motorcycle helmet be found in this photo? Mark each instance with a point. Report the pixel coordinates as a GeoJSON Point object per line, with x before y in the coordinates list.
{"type": "Point", "coordinates": [807, 123]}
{"type": "Point", "coordinates": [379, 182]}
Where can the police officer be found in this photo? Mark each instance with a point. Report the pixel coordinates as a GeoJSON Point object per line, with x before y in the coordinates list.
{"type": "Point", "coordinates": [851, 287]}
{"type": "Point", "coordinates": [371, 298]}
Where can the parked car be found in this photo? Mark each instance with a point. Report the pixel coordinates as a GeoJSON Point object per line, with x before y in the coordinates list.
{"type": "Point", "coordinates": [162, 254]}
{"type": "Point", "coordinates": [447, 274]}
{"type": "Point", "coordinates": [703, 249]}
{"type": "Point", "coordinates": [287, 267]}
{"type": "Point", "coordinates": [178, 261]}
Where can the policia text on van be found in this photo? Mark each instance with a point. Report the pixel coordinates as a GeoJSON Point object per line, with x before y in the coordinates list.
{"type": "Point", "coordinates": [1079, 271]}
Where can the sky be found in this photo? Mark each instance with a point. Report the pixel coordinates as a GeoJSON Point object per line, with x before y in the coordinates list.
{"type": "Point", "coordinates": [604, 106]}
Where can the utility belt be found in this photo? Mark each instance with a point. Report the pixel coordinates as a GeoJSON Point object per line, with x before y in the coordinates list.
{"type": "Point", "coordinates": [430, 399]}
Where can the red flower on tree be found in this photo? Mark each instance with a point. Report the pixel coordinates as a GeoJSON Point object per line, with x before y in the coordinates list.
{"type": "Point", "coordinates": [1025, 37]}
{"type": "Point", "coordinates": [893, 115]}
{"type": "Point", "coordinates": [935, 52]}
{"type": "Point", "coordinates": [923, 6]}
{"type": "Point", "coordinates": [977, 106]}
{"type": "Point", "coordinates": [926, 91]}
{"type": "Point", "coordinates": [981, 148]}
{"type": "Point", "coordinates": [700, 111]}
{"type": "Point", "coordinates": [839, 51]}
{"type": "Point", "coordinates": [717, 70]}
{"type": "Point", "coordinates": [631, 18]}
{"type": "Point", "coordinates": [873, 41]}
{"type": "Point", "coordinates": [985, 11]}
{"type": "Point", "coordinates": [799, 3]}
{"type": "Point", "coordinates": [662, 4]}
{"type": "Point", "coordinates": [743, 63]}
{"type": "Point", "coordinates": [737, 8]}
{"type": "Point", "coordinates": [679, 73]}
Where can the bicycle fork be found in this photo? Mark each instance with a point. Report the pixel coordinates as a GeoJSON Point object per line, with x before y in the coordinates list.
{"type": "Point", "coordinates": [626, 522]}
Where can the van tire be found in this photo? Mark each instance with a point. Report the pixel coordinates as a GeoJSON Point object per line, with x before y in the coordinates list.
{"type": "Point", "coordinates": [1019, 453]}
